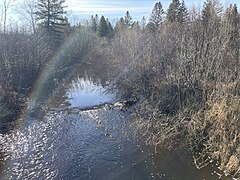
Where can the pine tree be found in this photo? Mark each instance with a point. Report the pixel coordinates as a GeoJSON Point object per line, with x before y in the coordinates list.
{"type": "Point", "coordinates": [143, 22]}
{"type": "Point", "coordinates": [128, 19]}
{"type": "Point", "coordinates": [102, 29]}
{"type": "Point", "coordinates": [93, 23]}
{"type": "Point", "coordinates": [136, 26]}
{"type": "Point", "coordinates": [110, 28]}
{"type": "Point", "coordinates": [156, 17]}
{"type": "Point", "coordinates": [206, 12]}
{"type": "Point", "coordinates": [173, 11]}
{"type": "Point", "coordinates": [210, 12]}
{"type": "Point", "coordinates": [120, 25]}
{"type": "Point", "coordinates": [51, 15]}
{"type": "Point", "coordinates": [183, 15]}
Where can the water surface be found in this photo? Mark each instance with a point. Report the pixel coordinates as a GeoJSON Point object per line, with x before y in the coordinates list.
{"type": "Point", "coordinates": [85, 93]}
{"type": "Point", "coordinates": [93, 144]}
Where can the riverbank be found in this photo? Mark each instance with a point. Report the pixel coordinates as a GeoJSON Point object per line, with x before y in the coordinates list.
{"type": "Point", "coordinates": [211, 133]}
{"type": "Point", "coordinates": [183, 74]}
{"type": "Point", "coordinates": [185, 80]}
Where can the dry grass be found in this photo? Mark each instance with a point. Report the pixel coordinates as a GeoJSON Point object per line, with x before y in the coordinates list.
{"type": "Point", "coordinates": [157, 129]}
{"type": "Point", "coordinates": [214, 133]}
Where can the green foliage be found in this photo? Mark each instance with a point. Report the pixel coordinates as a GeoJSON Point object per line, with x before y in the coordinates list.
{"type": "Point", "coordinates": [102, 29]}
{"type": "Point", "coordinates": [128, 19]}
{"type": "Point", "coordinates": [183, 15]}
{"type": "Point", "coordinates": [120, 25]}
{"type": "Point", "coordinates": [110, 28]}
{"type": "Point", "coordinates": [211, 11]}
{"type": "Point", "coordinates": [156, 17]}
{"type": "Point", "coordinates": [173, 11]}
{"type": "Point", "coordinates": [206, 12]}
{"type": "Point", "coordinates": [178, 12]}
{"type": "Point", "coordinates": [94, 23]}
{"type": "Point", "coordinates": [124, 23]}
{"type": "Point", "coordinates": [50, 14]}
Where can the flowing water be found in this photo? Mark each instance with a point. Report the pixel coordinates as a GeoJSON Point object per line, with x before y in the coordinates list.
{"type": "Point", "coordinates": [91, 144]}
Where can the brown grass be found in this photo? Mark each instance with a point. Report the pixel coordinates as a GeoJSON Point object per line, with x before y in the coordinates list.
{"type": "Point", "coordinates": [214, 133]}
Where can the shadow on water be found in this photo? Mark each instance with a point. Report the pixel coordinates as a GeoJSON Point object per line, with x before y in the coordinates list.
{"type": "Point", "coordinates": [65, 143]}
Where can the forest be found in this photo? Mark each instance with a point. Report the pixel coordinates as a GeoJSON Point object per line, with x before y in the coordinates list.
{"type": "Point", "coordinates": [180, 67]}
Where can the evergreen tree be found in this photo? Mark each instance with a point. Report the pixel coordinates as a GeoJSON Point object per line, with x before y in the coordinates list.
{"type": "Point", "coordinates": [210, 12]}
{"type": "Point", "coordinates": [128, 19]}
{"type": "Point", "coordinates": [110, 28]}
{"type": "Point", "coordinates": [156, 17]}
{"type": "Point", "coordinates": [206, 12]}
{"type": "Point", "coordinates": [143, 22]}
{"type": "Point", "coordinates": [97, 18]}
{"type": "Point", "coordinates": [102, 29]}
{"type": "Point", "coordinates": [173, 11]}
{"type": "Point", "coordinates": [136, 26]}
{"type": "Point", "coordinates": [93, 23]}
{"type": "Point", "coordinates": [120, 25]}
{"type": "Point", "coordinates": [51, 15]}
{"type": "Point", "coordinates": [183, 15]}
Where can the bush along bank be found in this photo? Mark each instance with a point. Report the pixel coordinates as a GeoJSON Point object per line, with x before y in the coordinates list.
{"type": "Point", "coordinates": [33, 60]}
{"type": "Point", "coordinates": [184, 76]}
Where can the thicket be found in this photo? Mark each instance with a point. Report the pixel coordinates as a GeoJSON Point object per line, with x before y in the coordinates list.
{"type": "Point", "coordinates": [22, 57]}
{"type": "Point", "coordinates": [40, 59]}
{"type": "Point", "coordinates": [26, 58]}
{"type": "Point", "coordinates": [184, 74]}
{"type": "Point", "coordinates": [182, 69]}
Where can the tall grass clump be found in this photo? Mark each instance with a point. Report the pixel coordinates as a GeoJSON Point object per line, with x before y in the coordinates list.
{"type": "Point", "coordinates": [214, 132]}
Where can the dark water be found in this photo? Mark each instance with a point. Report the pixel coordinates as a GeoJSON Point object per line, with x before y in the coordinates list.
{"type": "Point", "coordinates": [93, 144]}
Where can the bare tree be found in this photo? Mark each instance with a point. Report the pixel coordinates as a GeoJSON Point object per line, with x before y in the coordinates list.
{"type": "Point", "coordinates": [6, 8]}
{"type": "Point", "coordinates": [27, 10]}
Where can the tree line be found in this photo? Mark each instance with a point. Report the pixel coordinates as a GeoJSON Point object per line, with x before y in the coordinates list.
{"type": "Point", "coordinates": [181, 67]}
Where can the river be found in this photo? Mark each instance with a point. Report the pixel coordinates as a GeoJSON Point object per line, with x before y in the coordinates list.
{"type": "Point", "coordinates": [70, 143]}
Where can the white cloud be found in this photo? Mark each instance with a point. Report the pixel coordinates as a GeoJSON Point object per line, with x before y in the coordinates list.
{"type": "Point", "coordinates": [110, 7]}
{"type": "Point", "coordinates": [137, 8]}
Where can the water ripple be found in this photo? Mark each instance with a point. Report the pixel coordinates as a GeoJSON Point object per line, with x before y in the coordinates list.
{"type": "Point", "coordinates": [61, 146]}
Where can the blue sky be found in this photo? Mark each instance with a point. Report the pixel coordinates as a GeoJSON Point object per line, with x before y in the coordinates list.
{"type": "Point", "coordinates": [118, 8]}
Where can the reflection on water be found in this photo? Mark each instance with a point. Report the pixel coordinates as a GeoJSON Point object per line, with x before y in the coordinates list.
{"type": "Point", "coordinates": [84, 93]}
{"type": "Point", "coordinates": [93, 144]}
{"type": "Point", "coordinates": [68, 146]}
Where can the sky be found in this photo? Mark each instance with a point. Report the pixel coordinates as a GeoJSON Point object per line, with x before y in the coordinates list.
{"type": "Point", "coordinates": [117, 8]}
{"type": "Point", "coordinates": [81, 10]}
